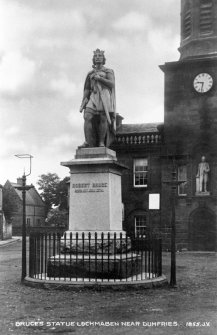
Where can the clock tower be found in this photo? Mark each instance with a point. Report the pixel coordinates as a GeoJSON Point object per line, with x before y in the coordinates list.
{"type": "Point", "coordinates": [198, 28]}
{"type": "Point", "coordinates": [190, 126]}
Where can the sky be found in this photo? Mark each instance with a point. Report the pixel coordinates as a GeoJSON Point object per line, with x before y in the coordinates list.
{"type": "Point", "coordinates": [46, 49]}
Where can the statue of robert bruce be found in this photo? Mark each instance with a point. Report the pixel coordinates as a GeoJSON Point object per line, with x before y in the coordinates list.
{"type": "Point", "coordinates": [98, 104]}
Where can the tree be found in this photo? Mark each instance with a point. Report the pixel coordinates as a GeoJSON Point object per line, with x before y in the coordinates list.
{"type": "Point", "coordinates": [48, 185]}
{"type": "Point", "coordinates": [9, 203]}
{"type": "Point", "coordinates": [62, 193]}
{"type": "Point", "coordinates": [53, 190]}
{"type": "Point", "coordinates": [57, 217]}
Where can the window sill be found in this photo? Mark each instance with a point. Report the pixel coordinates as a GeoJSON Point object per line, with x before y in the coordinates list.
{"type": "Point", "coordinates": [142, 186]}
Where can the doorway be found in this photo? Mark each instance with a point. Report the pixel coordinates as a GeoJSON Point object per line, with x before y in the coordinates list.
{"type": "Point", "coordinates": [202, 230]}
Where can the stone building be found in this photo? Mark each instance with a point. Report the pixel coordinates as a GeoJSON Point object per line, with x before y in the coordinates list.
{"type": "Point", "coordinates": [187, 138]}
{"type": "Point", "coordinates": [138, 146]}
{"type": "Point", "coordinates": [5, 226]}
{"type": "Point", "coordinates": [13, 207]}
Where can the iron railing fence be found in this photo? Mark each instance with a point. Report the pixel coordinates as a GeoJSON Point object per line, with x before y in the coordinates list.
{"type": "Point", "coordinates": [94, 257]}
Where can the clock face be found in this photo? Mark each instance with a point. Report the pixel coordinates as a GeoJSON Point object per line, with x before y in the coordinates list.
{"type": "Point", "coordinates": [203, 82]}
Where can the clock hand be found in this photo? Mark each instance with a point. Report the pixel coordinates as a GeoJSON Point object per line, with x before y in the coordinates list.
{"type": "Point", "coordinates": [201, 82]}
{"type": "Point", "coordinates": [202, 87]}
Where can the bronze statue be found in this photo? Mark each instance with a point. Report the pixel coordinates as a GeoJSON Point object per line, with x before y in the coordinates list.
{"type": "Point", "coordinates": [99, 104]}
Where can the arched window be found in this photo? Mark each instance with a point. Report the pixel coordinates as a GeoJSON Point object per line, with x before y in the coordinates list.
{"type": "Point", "coordinates": [206, 7]}
{"type": "Point", "coordinates": [187, 21]}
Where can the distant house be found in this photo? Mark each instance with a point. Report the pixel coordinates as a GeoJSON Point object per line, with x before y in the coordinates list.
{"type": "Point", "coordinates": [13, 207]}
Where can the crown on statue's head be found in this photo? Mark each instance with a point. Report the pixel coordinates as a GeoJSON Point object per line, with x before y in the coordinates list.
{"type": "Point", "coordinates": [98, 51]}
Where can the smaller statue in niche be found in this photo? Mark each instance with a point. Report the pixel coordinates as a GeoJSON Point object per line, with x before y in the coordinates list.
{"type": "Point", "coordinates": [202, 176]}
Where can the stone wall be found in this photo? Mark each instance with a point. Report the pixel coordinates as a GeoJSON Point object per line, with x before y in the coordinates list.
{"type": "Point", "coordinates": [5, 226]}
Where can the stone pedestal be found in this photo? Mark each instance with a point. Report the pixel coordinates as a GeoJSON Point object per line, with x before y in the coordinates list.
{"type": "Point", "coordinates": [95, 190]}
{"type": "Point", "coordinates": [95, 245]}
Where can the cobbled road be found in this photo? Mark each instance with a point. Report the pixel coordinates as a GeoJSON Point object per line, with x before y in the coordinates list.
{"type": "Point", "coordinates": [189, 309]}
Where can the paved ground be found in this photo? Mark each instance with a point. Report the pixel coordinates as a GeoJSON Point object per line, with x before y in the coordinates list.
{"type": "Point", "coordinates": [117, 312]}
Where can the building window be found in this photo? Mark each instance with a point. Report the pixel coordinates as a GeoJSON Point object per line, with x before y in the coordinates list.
{"type": "Point", "coordinates": [38, 222]}
{"type": "Point", "coordinates": [140, 225]}
{"type": "Point", "coordinates": [140, 172]}
{"type": "Point", "coordinates": [206, 8]}
{"type": "Point", "coordinates": [187, 21]}
{"type": "Point", "coordinates": [28, 222]}
{"type": "Point", "coordinates": [182, 175]}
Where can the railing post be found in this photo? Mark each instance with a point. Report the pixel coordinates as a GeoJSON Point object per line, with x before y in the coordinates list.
{"type": "Point", "coordinates": [160, 257]}
{"type": "Point", "coordinates": [24, 229]}
{"type": "Point", "coordinates": [31, 255]}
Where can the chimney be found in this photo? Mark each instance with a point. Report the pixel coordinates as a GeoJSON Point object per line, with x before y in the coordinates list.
{"type": "Point", "coordinates": [19, 181]}
{"type": "Point", "coordinates": [119, 119]}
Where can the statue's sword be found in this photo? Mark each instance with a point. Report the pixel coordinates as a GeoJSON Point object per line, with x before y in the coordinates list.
{"type": "Point", "coordinates": [104, 105]}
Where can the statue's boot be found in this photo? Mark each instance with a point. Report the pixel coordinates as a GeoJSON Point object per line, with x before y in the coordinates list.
{"type": "Point", "coordinates": [84, 145]}
{"type": "Point", "coordinates": [101, 140]}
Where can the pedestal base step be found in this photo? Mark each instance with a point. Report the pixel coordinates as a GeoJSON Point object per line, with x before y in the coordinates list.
{"type": "Point", "coordinates": [95, 266]}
